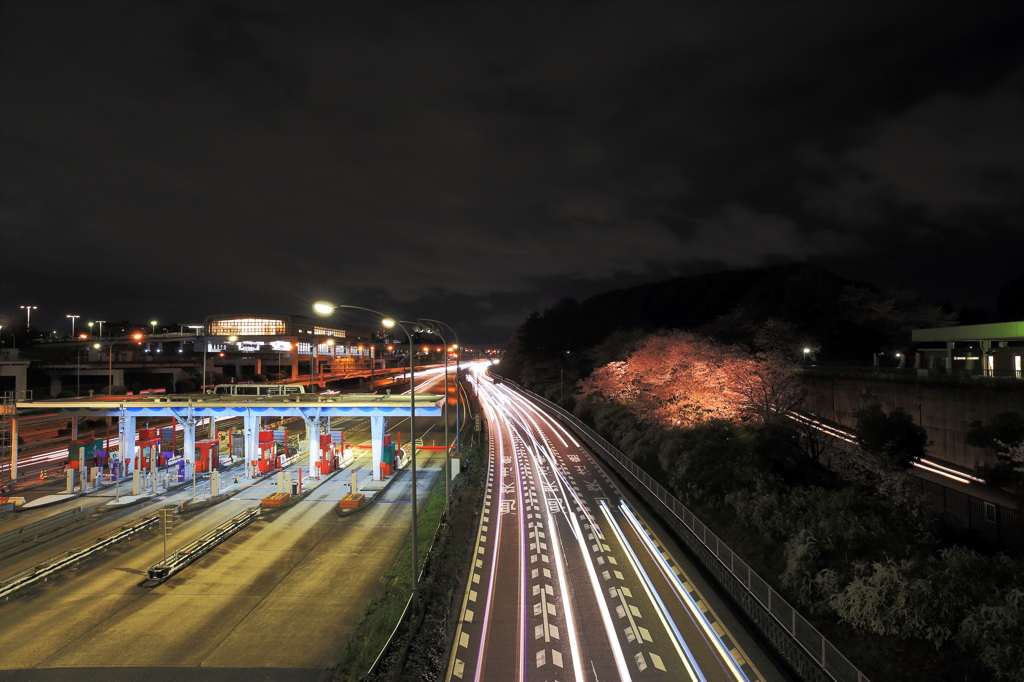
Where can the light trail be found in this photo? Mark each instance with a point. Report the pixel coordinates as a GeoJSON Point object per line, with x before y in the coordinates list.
{"type": "Point", "coordinates": [924, 464]}
{"type": "Point", "coordinates": [683, 593]}
{"type": "Point", "coordinates": [521, 630]}
{"type": "Point", "coordinates": [567, 490]}
{"type": "Point", "coordinates": [485, 627]}
{"type": "Point", "coordinates": [685, 655]}
{"type": "Point", "coordinates": [959, 479]}
{"type": "Point", "coordinates": [563, 587]}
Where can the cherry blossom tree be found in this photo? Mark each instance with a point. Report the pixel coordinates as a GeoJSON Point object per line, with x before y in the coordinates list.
{"type": "Point", "coordinates": [678, 378]}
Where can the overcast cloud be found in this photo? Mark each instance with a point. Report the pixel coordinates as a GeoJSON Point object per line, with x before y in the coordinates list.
{"type": "Point", "coordinates": [476, 161]}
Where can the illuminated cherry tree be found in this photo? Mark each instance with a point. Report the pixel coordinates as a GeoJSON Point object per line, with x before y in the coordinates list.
{"type": "Point", "coordinates": [678, 378]}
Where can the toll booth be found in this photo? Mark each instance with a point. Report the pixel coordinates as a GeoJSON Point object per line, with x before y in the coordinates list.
{"type": "Point", "coordinates": [328, 459]}
{"type": "Point", "coordinates": [88, 449]}
{"type": "Point", "coordinates": [338, 438]}
{"type": "Point", "coordinates": [267, 458]}
{"type": "Point", "coordinates": [207, 457]}
{"type": "Point", "coordinates": [387, 456]}
{"type": "Point", "coordinates": [146, 447]}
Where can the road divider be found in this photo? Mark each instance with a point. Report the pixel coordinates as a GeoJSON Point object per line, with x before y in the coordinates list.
{"type": "Point", "coordinates": [181, 558]}
{"type": "Point", "coordinates": [33, 530]}
{"type": "Point", "coordinates": [44, 571]}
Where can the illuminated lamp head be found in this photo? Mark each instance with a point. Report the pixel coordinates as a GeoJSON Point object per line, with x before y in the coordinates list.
{"type": "Point", "coordinates": [323, 308]}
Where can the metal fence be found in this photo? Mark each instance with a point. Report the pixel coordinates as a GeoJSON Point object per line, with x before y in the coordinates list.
{"type": "Point", "coordinates": [812, 657]}
{"type": "Point", "coordinates": [999, 525]}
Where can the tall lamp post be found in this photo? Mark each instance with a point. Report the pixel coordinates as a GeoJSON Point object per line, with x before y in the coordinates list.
{"type": "Point", "coordinates": [447, 457]}
{"type": "Point", "coordinates": [389, 322]}
{"type": "Point", "coordinates": [100, 323]}
{"type": "Point", "coordinates": [28, 315]}
{"type": "Point", "coordinates": [110, 364]}
{"type": "Point", "coordinates": [110, 390]}
{"type": "Point", "coordinates": [73, 318]}
{"type": "Point", "coordinates": [78, 371]}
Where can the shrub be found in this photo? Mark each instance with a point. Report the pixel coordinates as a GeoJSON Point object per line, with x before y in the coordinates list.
{"type": "Point", "coordinates": [894, 436]}
{"type": "Point", "coordinates": [184, 386]}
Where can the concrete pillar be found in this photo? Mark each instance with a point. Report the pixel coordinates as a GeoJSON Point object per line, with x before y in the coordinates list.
{"type": "Point", "coordinates": [55, 385]}
{"type": "Point", "coordinates": [215, 484]}
{"type": "Point", "coordinates": [135, 482]}
{"type": "Point", "coordinates": [377, 444]}
{"type": "Point", "coordinates": [126, 431]}
{"type": "Point", "coordinates": [251, 422]}
{"type": "Point", "coordinates": [74, 428]}
{"type": "Point", "coordinates": [188, 430]}
{"type": "Point", "coordinates": [949, 356]}
{"type": "Point", "coordinates": [313, 437]}
{"type": "Point", "coordinates": [14, 442]}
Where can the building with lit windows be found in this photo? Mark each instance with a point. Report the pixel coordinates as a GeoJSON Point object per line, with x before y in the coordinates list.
{"type": "Point", "coordinates": [241, 346]}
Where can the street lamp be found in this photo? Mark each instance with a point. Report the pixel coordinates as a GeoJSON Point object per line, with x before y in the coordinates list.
{"type": "Point", "coordinates": [326, 309]}
{"type": "Point", "coordinates": [78, 371]}
{"type": "Point", "coordinates": [458, 444]}
{"type": "Point", "coordinates": [806, 351]}
{"type": "Point", "coordinates": [110, 354]}
{"type": "Point", "coordinates": [100, 323]}
{"type": "Point", "coordinates": [110, 380]}
{"type": "Point", "coordinates": [153, 322]}
{"type": "Point", "coordinates": [28, 314]}
{"type": "Point", "coordinates": [73, 318]}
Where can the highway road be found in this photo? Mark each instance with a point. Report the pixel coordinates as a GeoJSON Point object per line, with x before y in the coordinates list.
{"type": "Point", "coordinates": [572, 582]}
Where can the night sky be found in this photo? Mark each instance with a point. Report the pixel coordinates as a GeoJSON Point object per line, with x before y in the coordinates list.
{"type": "Point", "coordinates": [474, 162]}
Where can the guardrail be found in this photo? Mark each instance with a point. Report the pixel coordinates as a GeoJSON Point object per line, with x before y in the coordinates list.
{"type": "Point", "coordinates": [812, 657]}
{"type": "Point", "coordinates": [181, 558]}
{"type": "Point", "coordinates": [43, 571]}
{"type": "Point", "coordinates": [33, 530]}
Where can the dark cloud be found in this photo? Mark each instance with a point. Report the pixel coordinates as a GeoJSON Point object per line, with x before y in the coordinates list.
{"type": "Point", "coordinates": [480, 160]}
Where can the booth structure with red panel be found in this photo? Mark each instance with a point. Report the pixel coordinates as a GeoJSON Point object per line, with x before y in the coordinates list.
{"type": "Point", "coordinates": [328, 457]}
{"type": "Point", "coordinates": [207, 455]}
{"type": "Point", "coordinates": [147, 445]}
{"type": "Point", "coordinates": [268, 452]}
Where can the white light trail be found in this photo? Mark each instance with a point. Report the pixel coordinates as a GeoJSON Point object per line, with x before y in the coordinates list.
{"type": "Point", "coordinates": [684, 594]}
{"type": "Point", "coordinates": [616, 647]}
{"type": "Point", "coordinates": [958, 478]}
{"type": "Point", "coordinates": [685, 655]}
{"type": "Point", "coordinates": [563, 587]}
{"type": "Point", "coordinates": [486, 625]}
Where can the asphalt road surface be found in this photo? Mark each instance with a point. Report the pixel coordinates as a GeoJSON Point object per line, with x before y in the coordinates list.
{"type": "Point", "coordinates": [572, 582]}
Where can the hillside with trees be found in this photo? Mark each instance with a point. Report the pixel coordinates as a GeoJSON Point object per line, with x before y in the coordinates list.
{"type": "Point", "coordinates": [839, 320]}
{"type": "Point", "coordinates": [694, 388]}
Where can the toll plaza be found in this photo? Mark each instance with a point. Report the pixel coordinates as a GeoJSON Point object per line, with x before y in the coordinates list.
{"type": "Point", "coordinates": [187, 410]}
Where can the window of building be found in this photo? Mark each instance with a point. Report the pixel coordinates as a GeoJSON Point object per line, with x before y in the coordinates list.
{"type": "Point", "coordinates": [247, 325]}
{"type": "Point", "coordinates": [327, 331]}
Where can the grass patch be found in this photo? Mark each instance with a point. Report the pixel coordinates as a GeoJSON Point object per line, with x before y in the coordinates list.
{"type": "Point", "coordinates": [419, 647]}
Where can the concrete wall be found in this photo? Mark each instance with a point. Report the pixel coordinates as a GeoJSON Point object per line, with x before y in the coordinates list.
{"type": "Point", "coordinates": [944, 411]}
